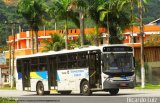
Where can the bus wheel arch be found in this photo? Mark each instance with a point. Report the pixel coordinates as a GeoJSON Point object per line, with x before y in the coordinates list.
{"type": "Point", "coordinates": [84, 87]}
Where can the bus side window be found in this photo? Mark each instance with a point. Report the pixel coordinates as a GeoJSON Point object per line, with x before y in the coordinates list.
{"type": "Point", "coordinates": [62, 61]}
{"type": "Point", "coordinates": [42, 63]}
{"type": "Point", "coordinates": [34, 64]}
{"type": "Point", "coordinates": [82, 59]}
{"type": "Point", "coordinates": [72, 60]}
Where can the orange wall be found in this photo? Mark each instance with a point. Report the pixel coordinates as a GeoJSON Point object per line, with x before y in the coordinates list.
{"type": "Point", "coordinates": [23, 37]}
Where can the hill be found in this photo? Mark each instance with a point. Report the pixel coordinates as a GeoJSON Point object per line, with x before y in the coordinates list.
{"type": "Point", "coordinates": [8, 13]}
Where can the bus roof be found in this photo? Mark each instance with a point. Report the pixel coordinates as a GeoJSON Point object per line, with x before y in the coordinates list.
{"type": "Point", "coordinates": [69, 51]}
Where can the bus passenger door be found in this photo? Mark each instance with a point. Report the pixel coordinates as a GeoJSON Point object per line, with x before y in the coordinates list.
{"type": "Point", "coordinates": [26, 75]}
{"type": "Point", "coordinates": [94, 69]}
{"type": "Point", "coordinates": [52, 72]}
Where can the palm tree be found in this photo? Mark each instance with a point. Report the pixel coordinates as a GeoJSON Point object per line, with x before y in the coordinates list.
{"type": "Point", "coordinates": [116, 13]}
{"type": "Point", "coordinates": [56, 43]}
{"type": "Point", "coordinates": [93, 12]}
{"type": "Point", "coordinates": [60, 11]}
{"type": "Point", "coordinates": [80, 6]}
{"type": "Point", "coordinates": [34, 11]}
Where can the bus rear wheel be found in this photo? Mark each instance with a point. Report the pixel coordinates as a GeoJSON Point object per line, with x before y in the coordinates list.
{"type": "Point", "coordinates": [40, 88]}
{"type": "Point", "coordinates": [113, 91]}
{"type": "Point", "coordinates": [85, 88]}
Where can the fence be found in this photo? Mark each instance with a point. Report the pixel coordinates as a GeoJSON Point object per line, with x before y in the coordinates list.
{"type": "Point", "coordinates": [151, 54]}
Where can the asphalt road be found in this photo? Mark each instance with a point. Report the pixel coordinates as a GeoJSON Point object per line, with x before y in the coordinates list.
{"type": "Point", "coordinates": [124, 96]}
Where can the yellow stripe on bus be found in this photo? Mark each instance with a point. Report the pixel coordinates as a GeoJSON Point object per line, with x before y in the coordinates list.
{"type": "Point", "coordinates": [34, 75]}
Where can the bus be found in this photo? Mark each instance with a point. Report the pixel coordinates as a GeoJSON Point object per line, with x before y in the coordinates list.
{"type": "Point", "coordinates": [84, 70]}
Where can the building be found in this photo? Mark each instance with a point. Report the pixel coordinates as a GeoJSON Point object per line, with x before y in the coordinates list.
{"type": "Point", "coordinates": [23, 41]}
{"type": "Point", "coordinates": [149, 30]}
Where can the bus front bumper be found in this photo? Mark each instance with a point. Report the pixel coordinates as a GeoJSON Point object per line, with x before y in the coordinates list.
{"type": "Point", "coordinates": [109, 84]}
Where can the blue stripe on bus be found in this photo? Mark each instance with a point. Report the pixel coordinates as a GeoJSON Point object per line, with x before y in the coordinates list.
{"type": "Point", "coordinates": [57, 77]}
{"type": "Point", "coordinates": [43, 74]}
{"type": "Point", "coordinates": [19, 75]}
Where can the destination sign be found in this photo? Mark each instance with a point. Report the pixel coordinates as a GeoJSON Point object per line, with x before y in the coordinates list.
{"type": "Point", "coordinates": [117, 49]}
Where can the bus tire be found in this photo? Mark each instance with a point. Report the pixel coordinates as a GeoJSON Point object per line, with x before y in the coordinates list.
{"type": "Point", "coordinates": [85, 89]}
{"type": "Point", "coordinates": [40, 88]}
{"type": "Point", "coordinates": [113, 91]}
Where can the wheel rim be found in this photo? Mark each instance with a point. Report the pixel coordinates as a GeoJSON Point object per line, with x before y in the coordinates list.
{"type": "Point", "coordinates": [40, 88]}
{"type": "Point", "coordinates": [85, 88]}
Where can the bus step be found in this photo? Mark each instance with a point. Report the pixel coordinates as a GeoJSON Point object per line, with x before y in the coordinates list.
{"type": "Point", "coordinates": [53, 91]}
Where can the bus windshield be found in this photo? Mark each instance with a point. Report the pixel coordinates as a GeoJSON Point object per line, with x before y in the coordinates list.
{"type": "Point", "coordinates": [117, 62]}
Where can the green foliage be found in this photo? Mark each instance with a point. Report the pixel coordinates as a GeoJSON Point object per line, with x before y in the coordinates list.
{"type": "Point", "coordinates": [90, 39]}
{"type": "Point", "coordinates": [152, 40]}
{"type": "Point", "coordinates": [7, 100]}
{"type": "Point", "coordinates": [3, 48]}
{"type": "Point", "coordinates": [117, 15]}
{"type": "Point", "coordinates": [33, 11]}
{"type": "Point", "coordinates": [138, 70]}
{"type": "Point", "coordinates": [8, 13]}
{"type": "Point", "coordinates": [74, 43]}
{"type": "Point", "coordinates": [148, 86]}
{"type": "Point", "coordinates": [57, 43]}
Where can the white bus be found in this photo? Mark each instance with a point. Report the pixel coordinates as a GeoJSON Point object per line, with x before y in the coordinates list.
{"type": "Point", "coordinates": [86, 70]}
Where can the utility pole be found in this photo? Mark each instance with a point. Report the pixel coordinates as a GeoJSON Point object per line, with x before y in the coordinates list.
{"type": "Point", "coordinates": [12, 51]}
{"type": "Point", "coordinates": [142, 45]}
{"type": "Point", "coordinates": [81, 19]}
{"type": "Point", "coordinates": [13, 56]}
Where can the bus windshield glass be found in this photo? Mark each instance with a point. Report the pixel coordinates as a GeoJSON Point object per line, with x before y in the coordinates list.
{"type": "Point", "coordinates": [117, 62]}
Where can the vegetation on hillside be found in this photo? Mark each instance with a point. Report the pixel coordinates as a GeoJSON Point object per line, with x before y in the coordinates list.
{"type": "Point", "coordinates": [8, 12]}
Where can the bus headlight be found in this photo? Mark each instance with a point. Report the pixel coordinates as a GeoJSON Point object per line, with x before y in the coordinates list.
{"type": "Point", "coordinates": [131, 78]}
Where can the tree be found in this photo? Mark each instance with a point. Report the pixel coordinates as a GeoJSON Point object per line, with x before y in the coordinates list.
{"type": "Point", "coordinates": [56, 43]}
{"type": "Point", "coordinates": [80, 6]}
{"type": "Point", "coordinates": [152, 40]}
{"type": "Point", "coordinates": [34, 11]}
{"type": "Point", "coordinates": [93, 12]}
{"type": "Point", "coordinates": [60, 11]}
{"type": "Point", "coordinates": [117, 15]}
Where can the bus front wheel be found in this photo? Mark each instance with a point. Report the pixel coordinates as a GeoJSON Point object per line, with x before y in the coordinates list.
{"type": "Point", "coordinates": [85, 88]}
{"type": "Point", "coordinates": [113, 91]}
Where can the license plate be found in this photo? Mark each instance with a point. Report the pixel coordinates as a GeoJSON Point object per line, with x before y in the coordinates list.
{"type": "Point", "coordinates": [123, 84]}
